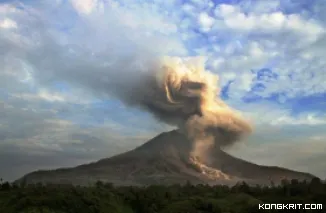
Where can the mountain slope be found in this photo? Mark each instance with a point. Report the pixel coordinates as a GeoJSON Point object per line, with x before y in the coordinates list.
{"type": "Point", "coordinates": [165, 160]}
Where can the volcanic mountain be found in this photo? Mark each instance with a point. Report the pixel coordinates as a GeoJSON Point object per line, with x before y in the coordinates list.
{"type": "Point", "coordinates": [165, 160]}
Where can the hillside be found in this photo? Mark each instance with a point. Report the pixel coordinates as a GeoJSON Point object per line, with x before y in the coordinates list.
{"type": "Point", "coordinates": [165, 159]}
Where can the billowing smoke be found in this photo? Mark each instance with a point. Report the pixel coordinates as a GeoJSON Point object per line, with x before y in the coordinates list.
{"type": "Point", "coordinates": [180, 92]}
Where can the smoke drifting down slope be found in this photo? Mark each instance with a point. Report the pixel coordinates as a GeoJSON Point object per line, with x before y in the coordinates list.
{"type": "Point", "coordinates": [180, 92]}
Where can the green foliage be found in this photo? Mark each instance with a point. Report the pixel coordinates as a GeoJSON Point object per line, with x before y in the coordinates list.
{"type": "Point", "coordinates": [105, 198]}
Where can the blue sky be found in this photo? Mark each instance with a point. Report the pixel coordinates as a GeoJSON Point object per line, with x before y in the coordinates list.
{"type": "Point", "coordinates": [269, 56]}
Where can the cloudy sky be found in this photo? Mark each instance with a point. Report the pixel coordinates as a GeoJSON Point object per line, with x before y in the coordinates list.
{"type": "Point", "coordinates": [56, 108]}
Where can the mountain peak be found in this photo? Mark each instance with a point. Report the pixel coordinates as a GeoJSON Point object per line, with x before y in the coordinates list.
{"type": "Point", "coordinates": [166, 159]}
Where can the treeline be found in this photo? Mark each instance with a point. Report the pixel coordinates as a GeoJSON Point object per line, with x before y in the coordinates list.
{"type": "Point", "coordinates": [105, 198]}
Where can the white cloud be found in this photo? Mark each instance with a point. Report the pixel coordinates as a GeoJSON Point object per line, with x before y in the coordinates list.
{"type": "Point", "coordinates": [226, 10]}
{"type": "Point", "coordinates": [273, 115]}
{"type": "Point", "coordinates": [236, 19]}
{"type": "Point", "coordinates": [50, 97]}
{"type": "Point", "coordinates": [217, 62]}
{"type": "Point", "coordinates": [289, 44]}
{"type": "Point", "coordinates": [303, 119]}
{"type": "Point", "coordinates": [241, 85]}
{"type": "Point", "coordinates": [8, 23]}
{"type": "Point", "coordinates": [84, 6]}
{"type": "Point", "coordinates": [205, 21]}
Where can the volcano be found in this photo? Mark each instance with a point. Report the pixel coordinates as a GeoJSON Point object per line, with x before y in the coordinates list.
{"type": "Point", "coordinates": [165, 160]}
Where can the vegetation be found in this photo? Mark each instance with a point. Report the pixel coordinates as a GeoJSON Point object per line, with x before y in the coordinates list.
{"type": "Point", "coordinates": [105, 198]}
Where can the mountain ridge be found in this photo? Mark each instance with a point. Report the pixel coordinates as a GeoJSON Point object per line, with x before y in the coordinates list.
{"type": "Point", "coordinates": [165, 160]}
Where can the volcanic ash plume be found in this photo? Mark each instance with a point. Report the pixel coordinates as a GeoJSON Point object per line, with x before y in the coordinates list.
{"type": "Point", "coordinates": [181, 92]}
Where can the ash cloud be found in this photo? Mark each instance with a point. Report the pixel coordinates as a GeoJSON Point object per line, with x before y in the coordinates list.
{"type": "Point", "coordinates": [182, 93]}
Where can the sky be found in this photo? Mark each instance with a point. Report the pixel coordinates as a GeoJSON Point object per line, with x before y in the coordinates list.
{"type": "Point", "coordinates": [56, 108]}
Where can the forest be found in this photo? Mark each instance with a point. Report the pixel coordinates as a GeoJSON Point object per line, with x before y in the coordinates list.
{"type": "Point", "coordinates": [187, 198]}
